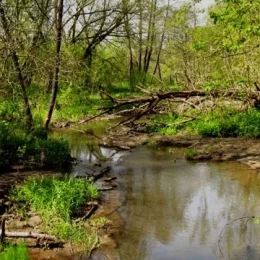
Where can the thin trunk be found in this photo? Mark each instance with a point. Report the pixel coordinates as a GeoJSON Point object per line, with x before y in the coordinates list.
{"type": "Point", "coordinates": [140, 35]}
{"type": "Point", "coordinates": [128, 35]}
{"type": "Point", "coordinates": [17, 66]}
{"type": "Point", "coordinates": [148, 38]}
{"type": "Point", "coordinates": [157, 64]}
{"type": "Point", "coordinates": [58, 28]}
{"type": "Point", "coordinates": [151, 37]}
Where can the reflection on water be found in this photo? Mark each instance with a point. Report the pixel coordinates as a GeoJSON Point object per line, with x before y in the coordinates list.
{"type": "Point", "coordinates": [85, 147]}
{"type": "Point", "coordinates": [176, 209]}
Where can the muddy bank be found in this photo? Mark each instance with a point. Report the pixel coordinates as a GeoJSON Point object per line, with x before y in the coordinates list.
{"type": "Point", "coordinates": [245, 150]}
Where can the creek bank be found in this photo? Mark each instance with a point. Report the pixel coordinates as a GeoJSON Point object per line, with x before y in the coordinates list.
{"type": "Point", "coordinates": [244, 150]}
{"type": "Point", "coordinates": [107, 204]}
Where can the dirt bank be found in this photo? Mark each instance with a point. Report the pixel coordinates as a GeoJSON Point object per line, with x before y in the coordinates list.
{"type": "Point", "coordinates": [245, 150]}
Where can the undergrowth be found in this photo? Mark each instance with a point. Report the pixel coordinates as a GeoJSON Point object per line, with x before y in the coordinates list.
{"type": "Point", "coordinates": [55, 200]}
{"type": "Point", "coordinates": [229, 124]}
{"type": "Point", "coordinates": [13, 252]}
{"type": "Point", "coordinates": [219, 123]}
{"type": "Point", "coordinates": [17, 146]}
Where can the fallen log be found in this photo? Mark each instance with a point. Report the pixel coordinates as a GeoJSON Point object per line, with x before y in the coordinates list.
{"type": "Point", "coordinates": [28, 235]}
{"type": "Point", "coordinates": [145, 105]}
{"type": "Point", "coordinates": [106, 189]}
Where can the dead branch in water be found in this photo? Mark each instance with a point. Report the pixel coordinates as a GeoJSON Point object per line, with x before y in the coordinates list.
{"type": "Point", "coordinates": [101, 174]}
{"type": "Point", "coordinates": [229, 223]}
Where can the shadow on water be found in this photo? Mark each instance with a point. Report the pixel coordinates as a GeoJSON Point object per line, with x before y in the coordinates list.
{"type": "Point", "coordinates": [175, 209]}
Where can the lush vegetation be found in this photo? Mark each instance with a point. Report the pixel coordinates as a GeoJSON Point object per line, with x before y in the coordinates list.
{"type": "Point", "coordinates": [56, 200]}
{"type": "Point", "coordinates": [17, 146]}
{"type": "Point", "coordinates": [12, 252]}
{"type": "Point", "coordinates": [61, 70]}
{"type": "Point", "coordinates": [219, 123]}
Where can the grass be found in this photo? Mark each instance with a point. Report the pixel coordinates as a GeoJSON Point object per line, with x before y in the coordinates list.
{"type": "Point", "coordinates": [55, 200]}
{"type": "Point", "coordinates": [229, 124]}
{"type": "Point", "coordinates": [219, 123]}
{"type": "Point", "coordinates": [191, 153]}
{"type": "Point", "coordinates": [12, 252]}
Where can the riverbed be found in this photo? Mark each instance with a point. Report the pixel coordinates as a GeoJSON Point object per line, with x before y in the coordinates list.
{"type": "Point", "coordinates": [171, 208]}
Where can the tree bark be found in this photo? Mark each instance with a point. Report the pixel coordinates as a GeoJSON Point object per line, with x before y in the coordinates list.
{"type": "Point", "coordinates": [15, 58]}
{"type": "Point", "coordinates": [58, 28]}
{"type": "Point", "coordinates": [128, 35]}
{"type": "Point", "coordinates": [157, 64]}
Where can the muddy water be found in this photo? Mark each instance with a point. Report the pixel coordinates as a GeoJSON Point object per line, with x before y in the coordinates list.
{"type": "Point", "coordinates": [175, 209]}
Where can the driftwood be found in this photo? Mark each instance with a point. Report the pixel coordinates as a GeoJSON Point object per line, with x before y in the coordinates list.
{"type": "Point", "coordinates": [111, 179]}
{"type": "Point", "coordinates": [94, 207]}
{"type": "Point", "coordinates": [2, 236]}
{"type": "Point", "coordinates": [106, 189]}
{"type": "Point", "coordinates": [229, 223]}
{"type": "Point", "coordinates": [28, 235]}
{"type": "Point", "coordinates": [101, 174]}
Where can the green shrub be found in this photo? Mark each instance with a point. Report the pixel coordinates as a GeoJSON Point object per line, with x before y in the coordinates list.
{"type": "Point", "coordinates": [12, 252]}
{"type": "Point", "coordinates": [229, 124]}
{"type": "Point", "coordinates": [18, 147]}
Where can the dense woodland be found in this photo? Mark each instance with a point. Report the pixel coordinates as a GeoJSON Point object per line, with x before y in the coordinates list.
{"type": "Point", "coordinates": [64, 60]}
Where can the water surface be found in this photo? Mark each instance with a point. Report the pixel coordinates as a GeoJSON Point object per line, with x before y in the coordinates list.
{"type": "Point", "coordinates": [173, 209]}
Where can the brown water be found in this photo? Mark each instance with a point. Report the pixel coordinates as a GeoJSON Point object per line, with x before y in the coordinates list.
{"type": "Point", "coordinates": [176, 210]}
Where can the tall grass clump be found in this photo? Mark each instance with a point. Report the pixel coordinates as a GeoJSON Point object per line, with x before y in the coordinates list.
{"type": "Point", "coordinates": [12, 252]}
{"type": "Point", "coordinates": [55, 200]}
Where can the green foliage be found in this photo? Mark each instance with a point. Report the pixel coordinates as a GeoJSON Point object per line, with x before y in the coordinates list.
{"type": "Point", "coordinates": [229, 124]}
{"type": "Point", "coordinates": [56, 200]}
{"type": "Point", "coordinates": [167, 124]}
{"type": "Point", "coordinates": [220, 123]}
{"type": "Point", "coordinates": [12, 252]}
{"type": "Point", "coordinates": [239, 21]}
{"type": "Point", "coordinates": [191, 153]}
{"type": "Point", "coordinates": [17, 146]}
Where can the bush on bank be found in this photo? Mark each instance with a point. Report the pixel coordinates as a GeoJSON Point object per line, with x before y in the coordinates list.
{"type": "Point", "coordinates": [32, 149]}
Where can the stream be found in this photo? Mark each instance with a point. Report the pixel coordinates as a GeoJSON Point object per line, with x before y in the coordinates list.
{"type": "Point", "coordinates": [173, 209]}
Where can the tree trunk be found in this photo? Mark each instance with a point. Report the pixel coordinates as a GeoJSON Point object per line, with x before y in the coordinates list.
{"type": "Point", "coordinates": [157, 64]}
{"type": "Point", "coordinates": [58, 28]}
{"type": "Point", "coordinates": [150, 37]}
{"type": "Point", "coordinates": [140, 35]}
{"type": "Point", "coordinates": [15, 58]}
{"type": "Point", "coordinates": [128, 35]}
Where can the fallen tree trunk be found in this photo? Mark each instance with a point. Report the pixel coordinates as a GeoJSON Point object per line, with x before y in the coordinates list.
{"type": "Point", "coordinates": [144, 105]}
{"type": "Point", "coordinates": [28, 235]}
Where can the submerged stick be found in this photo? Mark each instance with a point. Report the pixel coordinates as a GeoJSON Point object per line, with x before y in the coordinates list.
{"type": "Point", "coordinates": [102, 173]}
